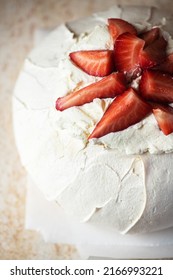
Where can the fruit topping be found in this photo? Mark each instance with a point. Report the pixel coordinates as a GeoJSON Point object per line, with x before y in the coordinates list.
{"type": "Point", "coordinates": [164, 117]}
{"type": "Point", "coordinates": [167, 65]}
{"type": "Point", "coordinates": [156, 86]}
{"type": "Point", "coordinates": [150, 36]}
{"type": "Point", "coordinates": [119, 26]}
{"type": "Point", "coordinates": [109, 86]}
{"type": "Point", "coordinates": [153, 54]}
{"type": "Point", "coordinates": [142, 55]}
{"type": "Point", "coordinates": [127, 109]}
{"type": "Point", "coordinates": [96, 63]}
{"type": "Point", "coordinates": [127, 49]}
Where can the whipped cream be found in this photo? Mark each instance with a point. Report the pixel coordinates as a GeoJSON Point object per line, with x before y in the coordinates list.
{"type": "Point", "coordinates": [107, 180]}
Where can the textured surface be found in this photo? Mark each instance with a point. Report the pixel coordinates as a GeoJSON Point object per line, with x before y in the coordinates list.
{"type": "Point", "coordinates": [18, 22]}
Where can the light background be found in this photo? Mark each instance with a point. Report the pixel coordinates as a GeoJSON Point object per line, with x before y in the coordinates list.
{"type": "Point", "coordinates": [18, 21]}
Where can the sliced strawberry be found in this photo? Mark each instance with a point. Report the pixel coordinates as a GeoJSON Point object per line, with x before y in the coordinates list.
{"type": "Point", "coordinates": [126, 50]}
{"type": "Point", "coordinates": [164, 117]}
{"type": "Point", "coordinates": [156, 86]}
{"type": "Point", "coordinates": [126, 110]}
{"type": "Point", "coordinates": [150, 36]}
{"type": "Point", "coordinates": [167, 65]}
{"type": "Point", "coordinates": [96, 63]}
{"type": "Point", "coordinates": [109, 86]}
{"type": "Point", "coordinates": [153, 54]}
{"type": "Point", "coordinates": [119, 26]}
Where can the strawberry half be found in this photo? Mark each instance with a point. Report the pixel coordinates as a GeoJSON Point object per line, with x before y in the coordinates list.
{"type": "Point", "coordinates": [150, 36]}
{"type": "Point", "coordinates": [156, 86]}
{"type": "Point", "coordinates": [167, 65]}
{"type": "Point", "coordinates": [109, 86]}
{"type": "Point", "coordinates": [96, 63]}
{"type": "Point", "coordinates": [126, 110]}
{"type": "Point", "coordinates": [164, 117]}
{"type": "Point", "coordinates": [118, 26]}
{"type": "Point", "coordinates": [126, 51]}
{"type": "Point", "coordinates": [153, 54]}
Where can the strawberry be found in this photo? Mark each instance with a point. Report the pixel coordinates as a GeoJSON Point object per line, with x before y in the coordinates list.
{"type": "Point", "coordinates": [150, 36]}
{"type": "Point", "coordinates": [167, 65]}
{"type": "Point", "coordinates": [118, 26]}
{"type": "Point", "coordinates": [95, 62]}
{"type": "Point", "coordinates": [126, 110]}
{"type": "Point", "coordinates": [156, 86]}
{"type": "Point", "coordinates": [153, 54]}
{"type": "Point", "coordinates": [164, 117]}
{"type": "Point", "coordinates": [109, 86]}
{"type": "Point", "coordinates": [126, 51]}
{"type": "Point", "coordinates": [133, 54]}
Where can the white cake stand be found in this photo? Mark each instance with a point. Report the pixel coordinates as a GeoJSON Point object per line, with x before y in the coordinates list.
{"type": "Point", "coordinates": [50, 220]}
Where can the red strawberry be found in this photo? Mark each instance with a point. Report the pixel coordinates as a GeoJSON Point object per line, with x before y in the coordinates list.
{"type": "Point", "coordinates": [118, 26]}
{"type": "Point", "coordinates": [126, 50]}
{"type": "Point", "coordinates": [156, 86]}
{"type": "Point", "coordinates": [167, 65]}
{"type": "Point", "coordinates": [150, 36]}
{"type": "Point", "coordinates": [96, 63]}
{"type": "Point", "coordinates": [153, 54]}
{"type": "Point", "coordinates": [109, 86]}
{"type": "Point", "coordinates": [126, 110]}
{"type": "Point", "coordinates": [164, 117]}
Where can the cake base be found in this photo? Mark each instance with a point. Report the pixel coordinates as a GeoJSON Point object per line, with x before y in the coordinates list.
{"type": "Point", "coordinates": [54, 225]}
